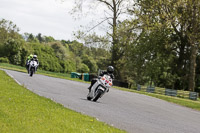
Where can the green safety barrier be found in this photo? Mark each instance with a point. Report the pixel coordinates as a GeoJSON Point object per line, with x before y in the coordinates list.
{"type": "Point", "coordinates": [83, 76]}
{"type": "Point", "coordinates": [86, 76]}
{"type": "Point", "coordinates": [75, 75]}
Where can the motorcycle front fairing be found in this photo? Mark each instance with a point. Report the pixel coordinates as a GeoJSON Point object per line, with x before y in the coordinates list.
{"type": "Point", "coordinates": [33, 64]}
{"type": "Point", "coordinates": [103, 83]}
{"type": "Point", "coordinates": [97, 85]}
{"type": "Point", "coordinates": [94, 88]}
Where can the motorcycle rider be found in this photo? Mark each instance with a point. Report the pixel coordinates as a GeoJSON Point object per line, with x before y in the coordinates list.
{"type": "Point", "coordinates": [110, 70]}
{"type": "Point", "coordinates": [30, 58]}
{"type": "Point", "coordinates": [35, 58]}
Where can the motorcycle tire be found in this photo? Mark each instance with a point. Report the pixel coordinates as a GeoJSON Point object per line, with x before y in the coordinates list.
{"type": "Point", "coordinates": [89, 98]}
{"type": "Point", "coordinates": [31, 71]}
{"type": "Point", "coordinates": [99, 92]}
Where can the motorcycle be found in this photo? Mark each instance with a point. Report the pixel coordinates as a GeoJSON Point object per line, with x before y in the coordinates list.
{"type": "Point", "coordinates": [32, 67]}
{"type": "Point", "coordinates": [101, 86]}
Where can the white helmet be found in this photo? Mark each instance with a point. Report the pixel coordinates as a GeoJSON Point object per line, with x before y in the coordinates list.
{"type": "Point", "coordinates": [34, 56]}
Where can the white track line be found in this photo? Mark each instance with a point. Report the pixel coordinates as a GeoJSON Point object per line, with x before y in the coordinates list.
{"type": "Point", "coordinates": [12, 77]}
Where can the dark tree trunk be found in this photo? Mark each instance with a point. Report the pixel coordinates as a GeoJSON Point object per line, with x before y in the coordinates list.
{"type": "Point", "coordinates": [115, 41]}
{"type": "Point", "coordinates": [194, 47]}
{"type": "Point", "coordinates": [192, 73]}
{"type": "Point", "coordinates": [114, 38]}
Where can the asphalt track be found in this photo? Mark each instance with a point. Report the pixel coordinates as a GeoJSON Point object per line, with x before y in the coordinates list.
{"type": "Point", "coordinates": [132, 112]}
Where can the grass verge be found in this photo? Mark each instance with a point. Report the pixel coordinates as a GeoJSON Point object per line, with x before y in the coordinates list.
{"type": "Point", "coordinates": [22, 111]}
{"type": "Point", "coordinates": [180, 101]}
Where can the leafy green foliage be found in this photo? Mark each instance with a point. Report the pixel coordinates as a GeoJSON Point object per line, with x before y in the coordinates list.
{"type": "Point", "coordinates": [90, 62]}
{"type": "Point", "coordinates": [158, 46]}
{"type": "Point", "coordinates": [12, 49]}
{"type": "Point", "coordinates": [53, 55]}
{"type": "Point", "coordinates": [4, 60]}
{"type": "Point", "coordinates": [163, 51]}
{"type": "Point", "coordinates": [83, 68]}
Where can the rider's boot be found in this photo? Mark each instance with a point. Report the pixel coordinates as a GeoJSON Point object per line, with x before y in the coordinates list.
{"type": "Point", "coordinates": [89, 88]}
{"type": "Point", "coordinates": [27, 67]}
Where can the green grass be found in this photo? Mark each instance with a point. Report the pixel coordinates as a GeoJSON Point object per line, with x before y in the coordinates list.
{"type": "Point", "coordinates": [22, 111]}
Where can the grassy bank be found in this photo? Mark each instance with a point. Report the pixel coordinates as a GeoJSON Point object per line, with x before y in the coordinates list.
{"type": "Point", "coordinates": [23, 111]}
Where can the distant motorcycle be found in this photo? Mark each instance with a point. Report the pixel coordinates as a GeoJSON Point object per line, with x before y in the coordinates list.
{"type": "Point", "coordinates": [32, 67]}
{"type": "Point", "coordinates": [100, 88]}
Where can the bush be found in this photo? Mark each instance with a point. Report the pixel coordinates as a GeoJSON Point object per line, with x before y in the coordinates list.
{"type": "Point", "coordinates": [83, 68]}
{"type": "Point", "coordinates": [90, 62]}
{"type": "Point", "coordinates": [4, 60]}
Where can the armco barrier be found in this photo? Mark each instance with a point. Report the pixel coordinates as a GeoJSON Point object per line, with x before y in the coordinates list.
{"type": "Point", "coordinates": [151, 89]}
{"type": "Point", "coordinates": [138, 87]}
{"type": "Point", "coordinates": [169, 92]}
{"type": "Point", "coordinates": [193, 95]}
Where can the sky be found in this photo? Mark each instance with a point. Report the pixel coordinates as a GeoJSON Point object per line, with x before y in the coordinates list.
{"type": "Point", "coordinates": [48, 17]}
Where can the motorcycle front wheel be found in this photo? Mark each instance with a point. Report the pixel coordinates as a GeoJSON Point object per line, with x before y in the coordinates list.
{"type": "Point", "coordinates": [98, 94]}
{"type": "Point", "coordinates": [31, 71]}
{"type": "Point", "coordinates": [89, 98]}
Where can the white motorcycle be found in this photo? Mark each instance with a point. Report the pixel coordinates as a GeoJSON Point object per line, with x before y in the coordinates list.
{"type": "Point", "coordinates": [32, 67]}
{"type": "Point", "coordinates": [101, 86]}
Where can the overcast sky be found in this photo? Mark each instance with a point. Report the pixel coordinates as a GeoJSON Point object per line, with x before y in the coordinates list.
{"type": "Point", "coordinates": [48, 17]}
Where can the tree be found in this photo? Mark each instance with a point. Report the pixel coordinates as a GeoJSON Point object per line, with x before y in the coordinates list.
{"type": "Point", "coordinates": [13, 51]}
{"type": "Point", "coordinates": [8, 30]}
{"type": "Point", "coordinates": [60, 50]}
{"type": "Point", "coordinates": [90, 62]}
{"type": "Point", "coordinates": [31, 38]}
{"type": "Point", "coordinates": [115, 9]}
{"type": "Point", "coordinates": [93, 40]}
{"type": "Point", "coordinates": [40, 38]}
{"type": "Point", "coordinates": [48, 39]}
{"type": "Point", "coordinates": [183, 17]}
{"type": "Point", "coordinates": [83, 68]}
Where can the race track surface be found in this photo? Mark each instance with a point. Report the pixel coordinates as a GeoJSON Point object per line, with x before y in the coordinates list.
{"type": "Point", "coordinates": [132, 112]}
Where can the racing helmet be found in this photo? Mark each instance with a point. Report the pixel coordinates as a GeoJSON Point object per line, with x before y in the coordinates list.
{"type": "Point", "coordinates": [110, 69]}
{"type": "Point", "coordinates": [31, 56]}
{"type": "Point", "coordinates": [34, 56]}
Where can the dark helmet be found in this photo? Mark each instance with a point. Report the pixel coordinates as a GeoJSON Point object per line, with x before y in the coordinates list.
{"type": "Point", "coordinates": [110, 69]}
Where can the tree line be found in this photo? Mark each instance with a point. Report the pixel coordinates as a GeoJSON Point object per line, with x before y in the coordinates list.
{"type": "Point", "coordinates": [54, 55]}
{"type": "Point", "coordinates": [158, 44]}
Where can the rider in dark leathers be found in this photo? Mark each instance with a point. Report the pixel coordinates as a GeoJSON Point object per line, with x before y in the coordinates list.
{"type": "Point", "coordinates": [109, 71]}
